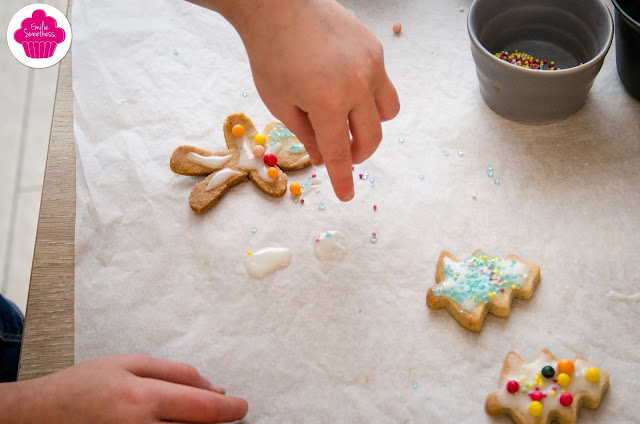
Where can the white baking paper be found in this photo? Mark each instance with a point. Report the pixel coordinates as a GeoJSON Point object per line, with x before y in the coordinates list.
{"type": "Point", "coordinates": [350, 340]}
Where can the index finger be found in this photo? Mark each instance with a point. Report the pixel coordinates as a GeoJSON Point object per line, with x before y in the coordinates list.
{"type": "Point", "coordinates": [333, 140]}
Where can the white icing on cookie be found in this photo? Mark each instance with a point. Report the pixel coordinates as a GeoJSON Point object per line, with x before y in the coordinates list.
{"type": "Point", "coordinates": [328, 246]}
{"type": "Point", "coordinates": [266, 261]}
{"type": "Point", "coordinates": [248, 161]}
{"type": "Point", "coordinates": [529, 379]}
{"type": "Point", "coordinates": [300, 161]}
{"type": "Point", "coordinates": [213, 162]}
{"type": "Point", "coordinates": [221, 177]}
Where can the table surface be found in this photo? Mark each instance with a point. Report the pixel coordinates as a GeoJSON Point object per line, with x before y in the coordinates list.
{"type": "Point", "coordinates": [48, 336]}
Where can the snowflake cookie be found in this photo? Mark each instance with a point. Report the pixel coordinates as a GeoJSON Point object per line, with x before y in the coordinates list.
{"type": "Point", "coordinates": [258, 157]}
{"type": "Point", "coordinates": [547, 389]}
{"type": "Point", "coordinates": [473, 287]}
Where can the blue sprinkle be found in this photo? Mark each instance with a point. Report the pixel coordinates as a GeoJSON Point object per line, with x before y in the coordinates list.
{"type": "Point", "coordinates": [421, 176]}
{"type": "Point", "coordinates": [460, 152]}
{"type": "Point", "coordinates": [372, 182]}
{"type": "Point", "coordinates": [490, 172]}
{"type": "Point", "coordinates": [401, 139]}
{"type": "Point", "coordinates": [415, 385]}
{"type": "Point", "coordinates": [328, 234]}
{"type": "Point", "coordinates": [254, 229]}
{"type": "Point", "coordinates": [489, 168]}
{"type": "Point", "coordinates": [175, 51]}
{"type": "Point", "coordinates": [321, 206]}
{"type": "Point", "coordinates": [496, 180]}
{"type": "Point", "coordinates": [445, 152]}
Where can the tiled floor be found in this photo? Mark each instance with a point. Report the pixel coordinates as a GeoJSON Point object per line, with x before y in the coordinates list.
{"type": "Point", "coordinates": [26, 108]}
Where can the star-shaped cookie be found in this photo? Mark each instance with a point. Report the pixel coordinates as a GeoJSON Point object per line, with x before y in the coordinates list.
{"type": "Point", "coordinates": [546, 389]}
{"type": "Point", "coordinates": [473, 287]}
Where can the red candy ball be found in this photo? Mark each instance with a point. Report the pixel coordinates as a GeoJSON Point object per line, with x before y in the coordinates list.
{"type": "Point", "coordinates": [536, 395]}
{"type": "Point", "coordinates": [566, 399]}
{"type": "Point", "coordinates": [270, 159]}
{"type": "Point", "coordinates": [513, 386]}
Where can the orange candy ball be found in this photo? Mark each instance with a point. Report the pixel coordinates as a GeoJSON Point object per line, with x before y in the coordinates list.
{"type": "Point", "coordinates": [237, 130]}
{"type": "Point", "coordinates": [272, 172]}
{"type": "Point", "coordinates": [565, 366]}
{"type": "Point", "coordinates": [397, 28]}
{"type": "Point", "coordinates": [295, 189]}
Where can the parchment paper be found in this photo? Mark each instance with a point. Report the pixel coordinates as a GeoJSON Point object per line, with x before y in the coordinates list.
{"type": "Point", "coordinates": [352, 340]}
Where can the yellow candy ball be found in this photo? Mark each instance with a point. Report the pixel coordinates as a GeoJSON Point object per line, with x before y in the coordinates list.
{"type": "Point", "coordinates": [237, 130]}
{"type": "Point", "coordinates": [295, 189]}
{"type": "Point", "coordinates": [592, 375]}
{"type": "Point", "coordinates": [273, 172]}
{"type": "Point", "coordinates": [260, 139]}
{"type": "Point", "coordinates": [535, 408]}
{"type": "Point", "coordinates": [564, 379]}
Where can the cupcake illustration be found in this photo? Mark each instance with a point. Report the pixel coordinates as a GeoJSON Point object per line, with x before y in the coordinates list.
{"type": "Point", "coordinates": [39, 35]}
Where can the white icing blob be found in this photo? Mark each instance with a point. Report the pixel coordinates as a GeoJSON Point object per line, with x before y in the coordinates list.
{"type": "Point", "coordinates": [328, 246]}
{"type": "Point", "coordinates": [221, 177]}
{"type": "Point", "coordinates": [300, 161]}
{"type": "Point", "coordinates": [266, 261]}
{"type": "Point", "coordinates": [213, 162]}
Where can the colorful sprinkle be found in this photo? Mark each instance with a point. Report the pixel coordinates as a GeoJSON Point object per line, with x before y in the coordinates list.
{"type": "Point", "coordinates": [496, 180]}
{"type": "Point", "coordinates": [421, 176]}
{"type": "Point", "coordinates": [445, 152]}
{"type": "Point", "coordinates": [565, 366]}
{"type": "Point", "coordinates": [258, 151]}
{"type": "Point", "coordinates": [526, 61]}
{"type": "Point", "coordinates": [270, 159]}
{"type": "Point", "coordinates": [260, 139]}
{"type": "Point", "coordinates": [563, 379]}
{"type": "Point", "coordinates": [512, 386]}
{"type": "Point", "coordinates": [175, 51]}
{"type": "Point", "coordinates": [548, 371]}
{"type": "Point", "coordinates": [245, 94]}
{"type": "Point", "coordinates": [375, 208]}
{"type": "Point", "coordinates": [535, 408]}
{"type": "Point", "coordinates": [397, 28]}
{"type": "Point", "coordinates": [592, 375]}
{"type": "Point", "coordinates": [294, 188]}
{"type": "Point", "coordinates": [415, 385]}
{"type": "Point", "coordinates": [237, 130]}
{"type": "Point", "coordinates": [401, 140]}
{"type": "Point", "coordinates": [254, 230]}
{"type": "Point", "coordinates": [321, 206]}
{"type": "Point", "coordinates": [460, 152]}
{"type": "Point", "coordinates": [566, 399]}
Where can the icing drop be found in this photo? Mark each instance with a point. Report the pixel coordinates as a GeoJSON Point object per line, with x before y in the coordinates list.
{"type": "Point", "coordinates": [266, 261]}
{"type": "Point", "coordinates": [213, 162]}
{"type": "Point", "coordinates": [301, 160]}
{"type": "Point", "coordinates": [297, 148]}
{"type": "Point", "coordinates": [221, 177]}
{"type": "Point", "coordinates": [328, 246]}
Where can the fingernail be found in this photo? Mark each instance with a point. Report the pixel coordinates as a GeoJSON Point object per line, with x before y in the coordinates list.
{"type": "Point", "coordinates": [348, 196]}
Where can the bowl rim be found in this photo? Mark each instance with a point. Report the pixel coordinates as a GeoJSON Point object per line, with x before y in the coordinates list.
{"type": "Point", "coordinates": [624, 13]}
{"type": "Point", "coordinates": [594, 61]}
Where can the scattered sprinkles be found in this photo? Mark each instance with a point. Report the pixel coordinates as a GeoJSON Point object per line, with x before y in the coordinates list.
{"type": "Point", "coordinates": [490, 171]}
{"type": "Point", "coordinates": [279, 132]}
{"type": "Point", "coordinates": [526, 61]}
{"type": "Point", "coordinates": [373, 238]}
{"type": "Point", "coordinates": [479, 279]}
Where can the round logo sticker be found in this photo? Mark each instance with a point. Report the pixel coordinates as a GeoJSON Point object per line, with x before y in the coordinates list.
{"type": "Point", "coordinates": [39, 35]}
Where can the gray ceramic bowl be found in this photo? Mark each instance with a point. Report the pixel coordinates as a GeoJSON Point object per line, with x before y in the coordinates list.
{"type": "Point", "coordinates": [568, 32]}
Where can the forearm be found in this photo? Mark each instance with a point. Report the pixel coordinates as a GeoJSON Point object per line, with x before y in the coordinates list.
{"type": "Point", "coordinates": [19, 402]}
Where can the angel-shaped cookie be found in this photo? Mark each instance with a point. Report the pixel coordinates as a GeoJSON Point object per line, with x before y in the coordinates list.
{"type": "Point", "coordinates": [471, 288]}
{"type": "Point", "coordinates": [258, 157]}
{"type": "Point", "coordinates": [547, 389]}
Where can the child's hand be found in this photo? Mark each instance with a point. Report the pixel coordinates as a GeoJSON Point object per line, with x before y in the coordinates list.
{"type": "Point", "coordinates": [122, 389]}
{"type": "Point", "coordinates": [321, 72]}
